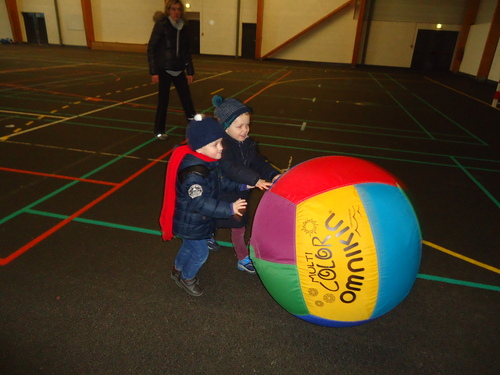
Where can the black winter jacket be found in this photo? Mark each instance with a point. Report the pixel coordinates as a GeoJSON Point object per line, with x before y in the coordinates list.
{"type": "Point", "coordinates": [241, 162]}
{"type": "Point", "coordinates": [167, 50]}
{"type": "Point", "coordinates": [197, 204]}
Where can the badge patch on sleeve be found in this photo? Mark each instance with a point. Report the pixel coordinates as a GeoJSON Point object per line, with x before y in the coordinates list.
{"type": "Point", "coordinates": [195, 191]}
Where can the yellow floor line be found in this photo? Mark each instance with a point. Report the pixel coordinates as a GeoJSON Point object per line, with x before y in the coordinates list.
{"type": "Point", "coordinates": [467, 259]}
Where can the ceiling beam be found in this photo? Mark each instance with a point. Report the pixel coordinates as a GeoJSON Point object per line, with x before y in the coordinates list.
{"type": "Point", "coordinates": [306, 29]}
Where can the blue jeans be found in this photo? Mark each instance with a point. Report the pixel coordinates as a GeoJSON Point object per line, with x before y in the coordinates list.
{"type": "Point", "coordinates": [191, 256]}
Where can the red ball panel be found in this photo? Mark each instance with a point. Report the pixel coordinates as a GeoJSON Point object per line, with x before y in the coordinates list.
{"type": "Point", "coordinates": [302, 182]}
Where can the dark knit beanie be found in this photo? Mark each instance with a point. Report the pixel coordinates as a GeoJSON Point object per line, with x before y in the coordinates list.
{"type": "Point", "coordinates": [227, 110]}
{"type": "Point", "coordinates": [203, 130]}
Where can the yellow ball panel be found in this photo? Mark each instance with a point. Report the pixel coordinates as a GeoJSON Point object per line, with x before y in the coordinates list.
{"type": "Point", "coordinates": [336, 256]}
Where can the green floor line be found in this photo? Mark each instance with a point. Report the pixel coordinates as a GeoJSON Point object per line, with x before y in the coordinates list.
{"type": "Point", "coordinates": [458, 282]}
{"type": "Point", "coordinates": [229, 244]}
{"type": "Point", "coordinates": [67, 186]}
{"type": "Point", "coordinates": [118, 158]}
{"type": "Point", "coordinates": [350, 145]}
{"type": "Point", "coordinates": [384, 134]}
{"type": "Point", "coordinates": [376, 80]}
{"type": "Point", "coordinates": [43, 199]}
{"type": "Point", "coordinates": [441, 113]}
{"type": "Point", "coordinates": [411, 132]}
{"type": "Point", "coordinates": [411, 116]}
{"type": "Point", "coordinates": [488, 194]}
{"type": "Point", "coordinates": [95, 222]}
{"type": "Point", "coordinates": [396, 82]}
{"type": "Point", "coordinates": [210, 109]}
{"type": "Point", "coordinates": [277, 72]}
{"type": "Point", "coordinates": [451, 120]}
{"type": "Point", "coordinates": [364, 155]}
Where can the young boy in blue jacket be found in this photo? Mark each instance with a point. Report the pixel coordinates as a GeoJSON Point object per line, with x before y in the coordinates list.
{"type": "Point", "coordinates": [191, 202]}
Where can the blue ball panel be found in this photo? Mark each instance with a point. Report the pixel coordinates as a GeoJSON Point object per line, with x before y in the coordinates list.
{"type": "Point", "coordinates": [330, 323]}
{"type": "Point", "coordinates": [397, 239]}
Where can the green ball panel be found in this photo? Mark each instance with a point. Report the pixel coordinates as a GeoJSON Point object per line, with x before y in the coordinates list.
{"type": "Point", "coordinates": [282, 282]}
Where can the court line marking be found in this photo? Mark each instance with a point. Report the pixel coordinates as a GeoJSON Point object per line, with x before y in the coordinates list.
{"type": "Point", "coordinates": [165, 155]}
{"type": "Point", "coordinates": [414, 153]}
{"type": "Point", "coordinates": [229, 244]}
{"type": "Point", "coordinates": [485, 191]}
{"type": "Point", "coordinates": [411, 116]}
{"type": "Point", "coordinates": [438, 111]}
{"type": "Point", "coordinates": [462, 257]}
{"type": "Point", "coordinates": [51, 175]}
{"type": "Point", "coordinates": [288, 81]}
{"type": "Point", "coordinates": [216, 91]}
{"type": "Point", "coordinates": [458, 282]}
{"type": "Point", "coordinates": [44, 68]}
{"type": "Point", "coordinates": [451, 120]}
{"type": "Point", "coordinates": [100, 109]}
{"type": "Point", "coordinates": [29, 114]}
{"type": "Point", "coordinates": [87, 151]}
{"type": "Point", "coordinates": [444, 156]}
{"type": "Point", "coordinates": [38, 239]}
{"type": "Point", "coordinates": [460, 92]}
{"type": "Point", "coordinates": [399, 104]}
{"type": "Point", "coordinates": [54, 193]}
{"type": "Point", "coordinates": [267, 87]}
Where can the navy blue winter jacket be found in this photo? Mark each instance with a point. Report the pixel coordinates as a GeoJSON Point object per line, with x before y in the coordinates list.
{"type": "Point", "coordinates": [241, 162]}
{"type": "Point", "coordinates": [197, 198]}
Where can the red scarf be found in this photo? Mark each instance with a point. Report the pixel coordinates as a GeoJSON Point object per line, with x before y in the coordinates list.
{"type": "Point", "coordinates": [169, 195]}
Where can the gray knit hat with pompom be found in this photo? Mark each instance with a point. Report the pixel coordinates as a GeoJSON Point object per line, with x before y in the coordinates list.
{"type": "Point", "coordinates": [227, 110]}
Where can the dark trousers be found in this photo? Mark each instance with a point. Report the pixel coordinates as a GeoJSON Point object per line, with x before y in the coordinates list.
{"type": "Point", "coordinates": [182, 87]}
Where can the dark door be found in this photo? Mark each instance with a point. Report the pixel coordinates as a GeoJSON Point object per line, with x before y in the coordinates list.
{"type": "Point", "coordinates": [194, 36]}
{"type": "Point", "coordinates": [434, 50]}
{"type": "Point", "coordinates": [248, 40]}
{"type": "Point", "coordinates": [36, 31]}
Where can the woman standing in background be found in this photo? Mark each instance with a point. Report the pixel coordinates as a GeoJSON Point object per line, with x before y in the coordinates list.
{"type": "Point", "coordinates": [169, 59]}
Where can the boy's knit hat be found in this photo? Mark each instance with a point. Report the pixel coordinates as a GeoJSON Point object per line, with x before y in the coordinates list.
{"type": "Point", "coordinates": [201, 131]}
{"type": "Point", "coordinates": [227, 110]}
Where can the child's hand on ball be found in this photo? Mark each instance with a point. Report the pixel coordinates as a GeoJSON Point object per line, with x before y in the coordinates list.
{"type": "Point", "coordinates": [239, 206]}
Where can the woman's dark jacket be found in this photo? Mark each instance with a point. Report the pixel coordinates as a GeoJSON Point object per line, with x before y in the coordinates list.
{"type": "Point", "coordinates": [241, 162]}
{"type": "Point", "coordinates": [197, 205]}
{"type": "Point", "coordinates": [163, 53]}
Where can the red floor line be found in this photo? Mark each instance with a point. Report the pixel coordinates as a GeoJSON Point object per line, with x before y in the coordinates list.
{"type": "Point", "coordinates": [265, 88]}
{"type": "Point", "coordinates": [86, 98]}
{"type": "Point", "coordinates": [40, 238]}
{"type": "Point", "coordinates": [22, 171]}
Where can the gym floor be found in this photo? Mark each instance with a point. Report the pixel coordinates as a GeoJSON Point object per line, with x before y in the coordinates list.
{"type": "Point", "coordinates": [85, 282]}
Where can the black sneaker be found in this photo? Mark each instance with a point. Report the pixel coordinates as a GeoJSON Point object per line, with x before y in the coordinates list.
{"type": "Point", "coordinates": [213, 245]}
{"type": "Point", "coordinates": [190, 286]}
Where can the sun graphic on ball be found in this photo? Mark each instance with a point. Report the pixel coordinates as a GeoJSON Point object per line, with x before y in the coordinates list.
{"type": "Point", "coordinates": [309, 227]}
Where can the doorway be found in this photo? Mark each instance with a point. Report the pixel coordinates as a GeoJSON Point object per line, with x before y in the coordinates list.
{"type": "Point", "coordinates": [36, 30]}
{"type": "Point", "coordinates": [193, 22]}
{"type": "Point", "coordinates": [249, 32]}
{"type": "Point", "coordinates": [194, 36]}
{"type": "Point", "coordinates": [434, 50]}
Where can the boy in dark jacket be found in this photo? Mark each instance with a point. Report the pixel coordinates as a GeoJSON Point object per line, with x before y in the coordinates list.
{"type": "Point", "coordinates": [191, 202]}
{"type": "Point", "coordinates": [240, 162]}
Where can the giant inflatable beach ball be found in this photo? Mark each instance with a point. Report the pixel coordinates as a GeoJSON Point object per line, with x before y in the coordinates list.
{"type": "Point", "coordinates": [336, 242]}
